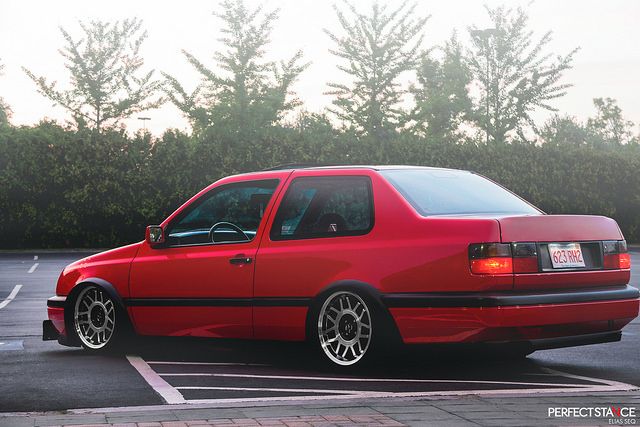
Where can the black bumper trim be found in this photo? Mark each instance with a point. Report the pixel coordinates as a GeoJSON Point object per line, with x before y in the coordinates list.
{"type": "Point", "coordinates": [501, 299]}
{"type": "Point", "coordinates": [57, 302]}
{"type": "Point", "coordinates": [217, 302]}
{"type": "Point", "coordinates": [524, 346]}
{"type": "Point", "coordinates": [49, 332]}
{"type": "Point", "coordinates": [575, 340]}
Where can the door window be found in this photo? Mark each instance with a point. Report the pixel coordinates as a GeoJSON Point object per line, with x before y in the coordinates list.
{"type": "Point", "coordinates": [227, 214]}
{"type": "Point", "coordinates": [325, 207]}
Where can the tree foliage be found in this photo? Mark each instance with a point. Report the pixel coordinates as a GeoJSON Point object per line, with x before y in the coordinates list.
{"type": "Point", "coordinates": [5, 110]}
{"type": "Point", "coordinates": [376, 49]}
{"type": "Point", "coordinates": [107, 83]}
{"type": "Point", "coordinates": [608, 126]}
{"type": "Point", "coordinates": [514, 72]}
{"type": "Point", "coordinates": [441, 94]}
{"type": "Point", "coordinates": [250, 92]}
{"type": "Point", "coordinates": [101, 190]}
{"type": "Point", "coordinates": [102, 195]}
{"type": "Point", "coordinates": [564, 130]}
{"type": "Point", "coordinates": [606, 129]}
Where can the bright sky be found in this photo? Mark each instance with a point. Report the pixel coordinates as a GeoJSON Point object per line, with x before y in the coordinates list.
{"type": "Point", "coordinates": [608, 64]}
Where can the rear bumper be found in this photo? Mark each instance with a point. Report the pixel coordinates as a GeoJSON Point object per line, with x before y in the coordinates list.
{"type": "Point", "coordinates": [542, 320]}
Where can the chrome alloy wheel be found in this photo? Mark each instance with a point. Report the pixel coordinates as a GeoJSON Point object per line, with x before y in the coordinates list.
{"type": "Point", "coordinates": [94, 317]}
{"type": "Point", "coordinates": [344, 328]}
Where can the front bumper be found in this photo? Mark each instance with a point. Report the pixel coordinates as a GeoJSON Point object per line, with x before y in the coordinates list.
{"type": "Point", "coordinates": [549, 320]}
{"type": "Point", "coordinates": [55, 327]}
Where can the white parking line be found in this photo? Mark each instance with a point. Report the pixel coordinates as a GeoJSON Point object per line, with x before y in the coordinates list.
{"type": "Point", "coordinates": [609, 383]}
{"type": "Point", "coordinates": [163, 388]}
{"type": "Point", "coordinates": [212, 403]}
{"type": "Point", "coordinates": [160, 362]}
{"type": "Point", "coordinates": [33, 267]}
{"type": "Point", "coordinates": [610, 386]}
{"type": "Point", "coordinates": [11, 296]}
{"type": "Point", "coordinates": [375, 380]}
{"type": "Point", "coordinates": [286, 390]}
{"type": "Point", "coordinates": [173, 396]}
{"type": "Point", "coordinates": [35, 257]}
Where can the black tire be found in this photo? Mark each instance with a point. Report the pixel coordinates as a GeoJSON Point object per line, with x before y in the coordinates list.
{"type": "Point", "coordinates": [97, 321]}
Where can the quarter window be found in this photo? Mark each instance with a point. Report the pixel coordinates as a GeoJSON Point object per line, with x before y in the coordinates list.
{"type": "Point", "coordinates": [325, 207]}
{"type": "Point", "coordinates": [231, 213]}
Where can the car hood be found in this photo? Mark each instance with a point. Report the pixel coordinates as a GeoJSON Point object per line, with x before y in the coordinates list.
{"type": "Point", "coordinates": [122, 253]}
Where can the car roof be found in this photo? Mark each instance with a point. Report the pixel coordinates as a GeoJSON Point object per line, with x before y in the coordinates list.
{"type": "Point", "coordinates": [291, 168]}
{"type": "Point", "coordinates": [299, 166]}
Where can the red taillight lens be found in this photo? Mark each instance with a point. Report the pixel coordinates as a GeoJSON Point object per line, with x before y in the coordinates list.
{"type": "Point", "coordinates": [492, 266]}
{"type": "Point", "coordinates": [617, 261]}
{"type": "Point", "coordinates": [615, 255]}
{"type": "Point", "coordinates": [503, 258]}
{"type": "Point", "coordinates": [624, 261]}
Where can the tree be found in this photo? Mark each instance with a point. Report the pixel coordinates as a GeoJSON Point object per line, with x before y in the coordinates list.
{"type": "Point", "coordinates": [107, 82]}
{"type": "Point", "coordinates": [377, 49]}
{"type": "Point", "coordinates": [252, 92]}
{"type": "Point", "coordinates": [442, 101]}
{"type": "Point", "coordinates": [5, 111]}
{"type": "Point", "coordinates": [609, 127]}
{"type": "Point", "coordinates": [514, 74]}
{"type": "Point", "coordinates": [564, 131]}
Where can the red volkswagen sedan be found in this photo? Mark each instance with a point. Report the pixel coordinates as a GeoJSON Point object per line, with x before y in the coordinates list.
{"type": "Point", "coordinates": [350, 258]}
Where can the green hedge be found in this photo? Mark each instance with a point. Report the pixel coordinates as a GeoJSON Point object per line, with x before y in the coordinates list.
{"type": "Point", "coordinates": [63, 188]}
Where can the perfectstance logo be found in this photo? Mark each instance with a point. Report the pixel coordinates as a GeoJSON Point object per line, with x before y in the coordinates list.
{"type": "Point", "coordinates": [622, 415]}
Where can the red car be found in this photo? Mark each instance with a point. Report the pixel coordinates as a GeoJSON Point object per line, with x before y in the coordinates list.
{"type": "Point", "coordinates": [350, 258]}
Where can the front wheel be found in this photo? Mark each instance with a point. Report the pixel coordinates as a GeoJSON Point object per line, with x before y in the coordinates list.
{"type": "Point", "coordinates": [94, 318]}
{"type": "Point", "coordinates": [345, 328]}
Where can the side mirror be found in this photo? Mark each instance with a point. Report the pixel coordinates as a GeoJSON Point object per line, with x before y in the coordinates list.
{"type": "Point", "coordinates": [154, 235]}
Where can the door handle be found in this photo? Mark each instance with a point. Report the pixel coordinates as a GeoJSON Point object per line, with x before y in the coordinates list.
{"type": "Point", "coordinates": [239, 260]}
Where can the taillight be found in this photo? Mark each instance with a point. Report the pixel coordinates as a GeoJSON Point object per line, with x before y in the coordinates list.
{"type": "Point", "coordinates": [616, 255]}
{"type": "Point", "coordinates": [490, 258]}
{"type": "Point", "coordinates": [492, 266]}
{"type": "Point", "coordinates": [503, 258]}
{"type": "Point", "coordinates": [525, 257]}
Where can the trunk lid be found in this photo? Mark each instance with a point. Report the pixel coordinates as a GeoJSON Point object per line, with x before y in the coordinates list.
{"type": "Point", "coordinates": [558, 228]}
{"type": "Point", "coordinates": [544, 230]}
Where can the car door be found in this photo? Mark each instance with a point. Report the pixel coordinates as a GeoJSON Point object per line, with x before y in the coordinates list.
{"type": "Point", "coordinates": [320, 233]}
{"type": "Point", "coordinates": [200, 282]}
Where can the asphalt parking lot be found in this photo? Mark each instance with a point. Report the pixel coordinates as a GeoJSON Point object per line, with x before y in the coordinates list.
{"type": "Point", "coordinates": [44, 376]}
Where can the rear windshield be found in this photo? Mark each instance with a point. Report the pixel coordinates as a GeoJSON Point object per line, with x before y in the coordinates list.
{"type": "Point", "coordinates": [452, 192]}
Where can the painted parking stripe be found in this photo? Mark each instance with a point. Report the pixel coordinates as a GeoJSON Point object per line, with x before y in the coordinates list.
{"type": "Point", "coordinates": [163, 388]}
{"type": "Point", "coordinates": [159, 362]}
{"type": "Point", "coordinates": [35, 257]}
{"type": "Point", "coordinates": [173, 396]}
{"type": "Point", "coordinates": [11, 296]}
{"type": "Point", "coordinates": [609, 383]}
{"type": "Point", "coordinates": [285, 390]}
{"type": "Point", "coordinates": [375, 380]}
{"type": "Point", "coordinates": [213, 403]}
{"type": "Point", "coordinates": [603, 386]}
{"type": "Point", "coordinates": [33, 267]}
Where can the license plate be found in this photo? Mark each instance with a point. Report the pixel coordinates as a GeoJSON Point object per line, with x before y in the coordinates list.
{"type": "Point", "coordinates": [566, 255]}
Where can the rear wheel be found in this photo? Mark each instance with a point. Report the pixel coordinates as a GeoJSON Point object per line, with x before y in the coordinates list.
{"type": "Point", "coordinates": [345, 328]}
{"type": "Point", "coordinates": [94, 319]}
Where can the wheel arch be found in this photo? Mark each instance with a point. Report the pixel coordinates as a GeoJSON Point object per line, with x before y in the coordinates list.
{"type": "Point", "coordinates": [73, 294]}
{"type": "Point", "coordinates": [368, 291]}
